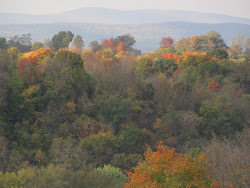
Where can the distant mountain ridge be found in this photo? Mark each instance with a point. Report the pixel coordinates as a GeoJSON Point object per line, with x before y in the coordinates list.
{"type": "Point", "coordinates": [111, 16]}
{"type": "Point", "coordinates": [147, 36]}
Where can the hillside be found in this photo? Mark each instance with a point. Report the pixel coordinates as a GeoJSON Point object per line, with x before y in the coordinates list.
{"type": "Point", "coordinates": [146, 35]}
{"type": "Point", "coordinates": [108, 117]}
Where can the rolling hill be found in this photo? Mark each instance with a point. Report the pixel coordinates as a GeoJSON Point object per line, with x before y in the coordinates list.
{"type": "Point", "coordinates": [111, 16]}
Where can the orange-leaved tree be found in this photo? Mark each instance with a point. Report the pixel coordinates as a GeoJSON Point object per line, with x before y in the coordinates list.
{"type": "Point", "coordinates": [108, 43]}
{"type": "Point", "coordinates": [120, 47]}
{"type": "Point", "coordinates": [31, 64]}
{"type": "Point", "coordinates": [42, 54]}
{"type": "Point", "coordinates": [171, 56]}
{"type": "Point", "coordinates": [166, 168]}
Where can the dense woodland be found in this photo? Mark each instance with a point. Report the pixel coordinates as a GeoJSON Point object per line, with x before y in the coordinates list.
{"type": "Point", "coordinates": [108, 116]}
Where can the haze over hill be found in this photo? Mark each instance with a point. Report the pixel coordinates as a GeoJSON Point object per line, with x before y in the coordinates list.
{"type": "Point", "coordinates": [111, 16]}
{"type": "Point", "coordinates": [147, 36]}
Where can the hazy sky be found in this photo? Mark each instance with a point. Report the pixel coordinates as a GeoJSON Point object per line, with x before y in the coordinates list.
{"type": "Point", "coordinates": [239, 8]}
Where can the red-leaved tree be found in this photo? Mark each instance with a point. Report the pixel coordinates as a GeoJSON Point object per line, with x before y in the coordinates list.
{"type": "Point", "coordinates": [167, 42]}
{"type": "Point", "coordinates": [108, 43]}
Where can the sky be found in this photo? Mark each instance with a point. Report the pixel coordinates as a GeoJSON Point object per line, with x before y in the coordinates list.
{"type": "Point", "coordinates": [238, 8]}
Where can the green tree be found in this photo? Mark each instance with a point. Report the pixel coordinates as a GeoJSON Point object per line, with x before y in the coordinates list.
{"type": "Point", "coordinates": [108, 56]}
{"type": "Point", "coordinates": [126, 161]}
{"type": "Point", "coordinates": [67, 153]}
{"type": "Point", "coordinates": [218, 53]}
{"type": "Point", "coordinates": [66, 76]}
{"type": "Point", "coordinates": [36, 46]}
{"type": "Point", "coordinates": [47, 43]}
{"type": "Point", "coordinates": [247, 47]}
{"type": "Point", "coordinates": [21, 179]}
{"type": "Point", "coordinates": [145, 67]}
{"type": "Point", "coordinates": [25, 39]}
{"type": "Point", "coordinates": [215, 41]}
{"type": "Point", "coordinates": [219, 118]}
{"type": "Point", "coordinates": [202, 43]}
{"type": "Point", "coordinates": [115, 111]}
{"type": "Point", "coordinates": [100, 148]}
{"type": "Point", "coordinates": [62, 40]}
{"type": "Point", "coordinates": [128, 41]}
{"type": "Point", "coordinates": [116, 175]}
{"type": "Point", "coordinates": [134, 141]}
{"type": "Point", "coordinates": [4, 151]}
{"type": "Point", "coordinates": [166, 66]}
{"type": "Point", "coordinates": [98, 179]}
{"type": "Point", "coordinates": [22, 43]}
{"type": "Point", "coordinates": [12, 85]}
{"type": "Point", "coordinates": [78, 42]}
{"type": "Point", "coordinates": [3, 43]}
{"type": "Point", "coordinates": [95, 46]}
{"type": "Point", "coordinates": [169, 126]}
{"type": "Point", "coordinates": [147, 92]}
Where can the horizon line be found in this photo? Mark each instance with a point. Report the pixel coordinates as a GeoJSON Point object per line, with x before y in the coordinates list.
{"type": "Point", "coordinates": [127, 10]}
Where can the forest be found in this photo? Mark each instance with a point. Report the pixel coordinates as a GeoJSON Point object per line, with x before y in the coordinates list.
{"type": "Point", "coordinates": [106, 115]}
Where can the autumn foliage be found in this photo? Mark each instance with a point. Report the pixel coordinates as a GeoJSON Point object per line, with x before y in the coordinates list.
{"type": "Point", "coordinates": [166, 168]}
{"type": "Point", "coordinates": [32, 63]}
{"type": "Point", "coordinates": [195, 59]}
{"type": "Point", "coordinates": [186, 55]}
{"type": "Point", "coordinates": [213, 85]}
{"type": "Point", "coordinates": [167, 42]}
{"type": "Point", "coordinates": [176, 59]}
{"type": "Point", "coordinates": [75, 49]}
{"type": "Point", "coordinates": [108, 43]}
{"type": "Point", "coordinates": [170, 56]}
{"type": "Point", "coordinates": [84, 117]}
{"type": "Point", "coordinates": [120, 47]}
{"type": "Point", "coordinates": [29, 66]}
{"type": "Point", "coordinates": [42, 54]}
{"type": "Point", "coordinates": [92, 129]}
